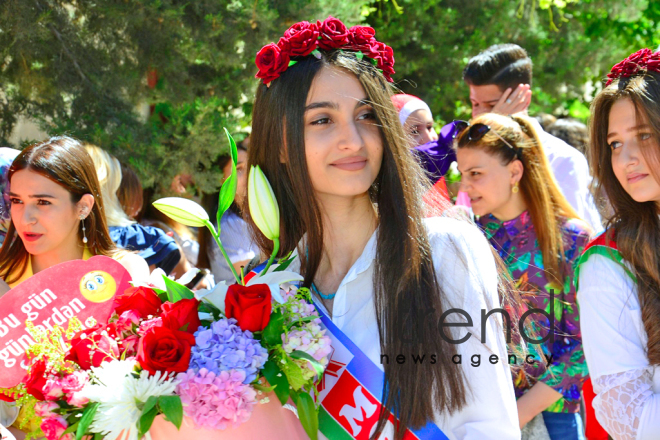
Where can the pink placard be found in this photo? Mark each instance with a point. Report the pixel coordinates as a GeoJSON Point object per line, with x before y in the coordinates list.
{"type": "Point", "coordinates": [76, 288]}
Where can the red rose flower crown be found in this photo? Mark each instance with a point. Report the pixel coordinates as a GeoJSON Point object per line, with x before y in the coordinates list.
{"type": "Point", "coordinates": [642, 61]}
{"type": "Point", "coordinates": [304, 39]}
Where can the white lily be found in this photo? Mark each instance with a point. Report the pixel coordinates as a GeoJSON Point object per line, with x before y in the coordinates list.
{"type": "Point", "coordinates": [156, 279]}
{"type": "Point", "coordinates": [183, 211]}
{"type": "Point", "coordinates": [263, 205]}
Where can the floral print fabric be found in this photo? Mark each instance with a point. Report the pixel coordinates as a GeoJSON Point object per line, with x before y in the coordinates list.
{"type": "Point", "coordinates": [515, 241]}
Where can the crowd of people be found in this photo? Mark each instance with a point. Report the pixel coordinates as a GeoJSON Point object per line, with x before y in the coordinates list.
{"type": "Point", "coordinates": [552, 223]}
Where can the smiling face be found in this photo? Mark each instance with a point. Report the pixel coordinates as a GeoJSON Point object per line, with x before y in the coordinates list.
{"type": "Point", "coordinates": [45, 217]}
{"type": "Point", "coordinates": [98, 286]}
{"type": "Point", "coordinates": [628, 136]}
{"type": "Point", "coordinates": [486, 181]}
{"type": "Point", "coordinates": [343, 145]}
{"type": "Point", "coordinates": [419, 126]}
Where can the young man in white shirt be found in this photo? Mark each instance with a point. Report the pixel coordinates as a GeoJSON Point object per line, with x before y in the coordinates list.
{"type": "Point", "coordinates": [500, 81]}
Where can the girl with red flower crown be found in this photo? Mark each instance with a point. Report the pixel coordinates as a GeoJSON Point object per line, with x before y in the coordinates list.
{"type": "Point", "coordinates": [386, 281]}
{"type": "Point", "coordinates": [619, 272]}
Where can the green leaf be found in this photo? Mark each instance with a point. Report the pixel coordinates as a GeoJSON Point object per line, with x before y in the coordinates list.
{"type": "Point", "coordinates": [172, 408]}
{"type": "Point", "coordinates": [86, 420]}
{"type": "Point", "coordinates": [272, 334]}
{"type": "Point", "coordinates": [359, 55]}
{"type": "Point", "coordinates": [284, 263]}
{"type": "Point", "coordinates": [228, 188]}
{"type": "Point", "coordinates": [98, 436]}
{"type": "Point", "coordinates": [303, 321]}
{"type": "Point", "coordinates": [308, 414]}
{"type": "Point", "coordinates": [276, 378]}
{"type": "Point", "coordinates": [293, 373]}
{"type": "Point", "coordinates": [146, 420]}
{"type": "Point", "coordinates": [262, 388]}
{"type": "Point", "coordinates": [176, 291]}
{"type": "Point", "coordinates": [71, 428]}
{"type": "Point", "coordinates": [149, 404]}
{"type": "Point", "coordinates": [297, 354]}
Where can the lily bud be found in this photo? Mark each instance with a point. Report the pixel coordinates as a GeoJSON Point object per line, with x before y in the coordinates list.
{"type": "Point", "coordinates": [183, 211]}
{"type": "Point", "coordinates": [263, 205]}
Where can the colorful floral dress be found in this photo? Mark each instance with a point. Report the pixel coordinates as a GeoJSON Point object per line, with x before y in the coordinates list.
{"type": "Point", "coordinates": [515, 240]}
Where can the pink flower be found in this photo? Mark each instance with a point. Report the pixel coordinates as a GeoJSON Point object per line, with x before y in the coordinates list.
{"type": "Point", "coordinates": [45, 409]}
{"type": "Point", "coordinates": [216, 402]}
{"type": "Point", "coordinates": [127, 320]}
{"type": "Point", "coordinates": [54, 427]}
{"type": "Point", "coordinates": [72, 385]}
{"type": "Point", "coordinates": [148, 325]}
{"type": "Point", "coordinates": [53, 389]}
{"type": "Point", "coordinates": [128, 346]}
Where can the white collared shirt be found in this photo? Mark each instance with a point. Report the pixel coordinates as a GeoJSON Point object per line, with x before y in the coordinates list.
{"type": "Point", "coordinates": [467, 274]}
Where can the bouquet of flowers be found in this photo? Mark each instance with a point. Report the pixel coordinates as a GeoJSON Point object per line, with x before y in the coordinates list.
{"type": "Point", "coordinates": [207, 355]}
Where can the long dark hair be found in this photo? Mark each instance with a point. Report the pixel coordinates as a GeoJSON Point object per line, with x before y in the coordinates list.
{"type": "Point", "coordinates": [64, 161]}
{"type": "Point", "coordinates": [405, 283]}
{"type": "Point", "coordinates": [635, 224]}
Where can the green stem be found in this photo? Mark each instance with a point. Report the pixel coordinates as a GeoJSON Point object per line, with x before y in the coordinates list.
{"type": "Point", "coordinates": [276, 249]}
{"type": "Point", "coordinates": [216, 236]}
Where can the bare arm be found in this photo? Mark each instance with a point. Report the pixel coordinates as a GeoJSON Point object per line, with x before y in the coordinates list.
{"type": "Point", "coordinates": [538, 398]}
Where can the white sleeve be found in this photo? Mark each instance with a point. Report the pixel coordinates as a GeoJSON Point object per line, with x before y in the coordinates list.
{"type": "Point", "coordinates": [468, 276]}
{"type": "Point", "coordinates": [615, 348]}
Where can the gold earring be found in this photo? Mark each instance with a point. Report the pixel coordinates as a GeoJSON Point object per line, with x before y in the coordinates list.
{"type": "Point", "coordinates": [515, 188]}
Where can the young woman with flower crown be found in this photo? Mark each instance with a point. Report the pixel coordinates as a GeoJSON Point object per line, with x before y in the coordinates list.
{"type": "Point", "coordinates": [327, 136]}
{"type": "Point", "coordinates": [619, 273]}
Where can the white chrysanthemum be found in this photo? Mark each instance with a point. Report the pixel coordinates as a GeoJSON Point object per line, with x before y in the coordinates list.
{"type": "Point", "coordinates": [121, 396]}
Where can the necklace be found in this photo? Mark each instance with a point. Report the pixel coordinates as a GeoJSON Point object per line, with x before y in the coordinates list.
{"type": "Point", "coordinates": [322, 295]}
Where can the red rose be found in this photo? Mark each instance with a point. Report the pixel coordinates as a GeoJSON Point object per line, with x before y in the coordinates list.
{"type": "Point", "coordinates": [250, 305]}
{"type": "Point", "coordinates": [36, 379]}
{"type": "Point", "coordinates": [89, 348]}
{"type": "Point", "coordinates": [300, 39]}
{"type": "Point", "coordinates": [143, 300]}
{"type": "Point", "coordinates": [271, 62]}
{"type": "Point", "coordinates": [362, 38]}
{"type": "Point", "coordinates": [334, 34]}
{"type": "Point", "coordinates": [181, 314]}
{"type": "Point", "coordinates": [385, 59]}
{"type": "Point", "coordinates": [166, 350]}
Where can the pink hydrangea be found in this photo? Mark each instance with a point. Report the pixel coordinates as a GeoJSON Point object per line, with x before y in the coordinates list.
{"type": "Point", "coordinates": [312, 340]}
{"type": "Point", "coordinates": [54, 427]}
{"type": "Point", "coordinates": [216, 401]}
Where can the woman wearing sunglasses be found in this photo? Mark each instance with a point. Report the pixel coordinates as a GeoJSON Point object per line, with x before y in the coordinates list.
{"type": "Point", "coordinates": [538, 235]}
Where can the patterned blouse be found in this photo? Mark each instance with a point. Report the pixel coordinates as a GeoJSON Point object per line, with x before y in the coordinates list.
{"type": "Point", "coordinates": [515, 241]}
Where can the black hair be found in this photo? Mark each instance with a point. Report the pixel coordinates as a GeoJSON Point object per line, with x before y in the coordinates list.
{"type": "Point", "coordinates": [504, 65]}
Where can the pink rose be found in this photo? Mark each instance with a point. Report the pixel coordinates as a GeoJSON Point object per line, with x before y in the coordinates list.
{"type": "Point", "coordinates": [128, 346]}
{"type": "Point", "coordinates": [75, 381]}
{"type": "Point", "coordinates": [54, 427]}
{"type": "Point", "coordinates": [45, 409]}
{"type": "Point", "coordinates": [53, 389]}
{"type": "Point", "coordinates": [148, 325]}
{"type": "Point", "coordinates": [334, 34]}
{"type": "Point", "coordinates": [77, 399]}
{"type": "Point", "coordinates": [127, 320]}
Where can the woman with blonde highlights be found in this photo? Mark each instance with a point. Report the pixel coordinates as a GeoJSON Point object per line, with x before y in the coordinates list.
{"type": "Point", "coordinates": [539, 236]}
{"type": "Point", "coordinates": [619, 289]}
